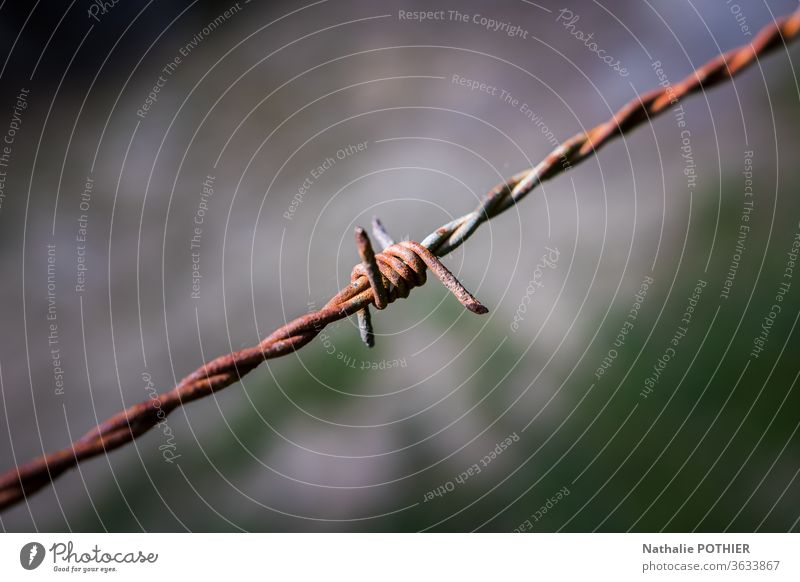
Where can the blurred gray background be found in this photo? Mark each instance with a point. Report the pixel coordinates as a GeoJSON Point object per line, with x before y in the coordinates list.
{"type": "Point", "coordinates": [404, 436]}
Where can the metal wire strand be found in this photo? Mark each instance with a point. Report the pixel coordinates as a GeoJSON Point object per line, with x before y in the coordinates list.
{"type": "Point", "coordinates": [634, 113]}
{"type": "Point", "coordinates": [403, 264]}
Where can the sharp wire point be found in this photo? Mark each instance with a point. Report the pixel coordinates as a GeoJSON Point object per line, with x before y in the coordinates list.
{"type": "Point", "coordinates": [371, 269]}
{"type": "Point", "coordinates": [365, 327]}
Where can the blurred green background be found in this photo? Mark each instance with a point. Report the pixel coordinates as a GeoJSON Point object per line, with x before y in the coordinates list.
{"type": "Point", "coordinates": [453, 422]}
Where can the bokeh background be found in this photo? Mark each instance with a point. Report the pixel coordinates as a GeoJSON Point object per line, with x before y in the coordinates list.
{"type": "Point", "coordinates": [402, 437]}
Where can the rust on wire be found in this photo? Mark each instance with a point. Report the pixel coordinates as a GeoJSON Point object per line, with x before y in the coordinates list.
{"type": "Point", "coordinates": [370, 268]}
{"type": "Point", "coordinates": [403, 265]}
{"type": "Point", "coordinates": [365, 327]}
{"type": "Point", "coordinates": [375, 278]}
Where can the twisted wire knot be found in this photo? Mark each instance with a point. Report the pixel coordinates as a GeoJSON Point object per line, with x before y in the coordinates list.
{"type": "Point", "coordinates": [395, 271]}
{"type": "Point", "coordinates": [401, 269]}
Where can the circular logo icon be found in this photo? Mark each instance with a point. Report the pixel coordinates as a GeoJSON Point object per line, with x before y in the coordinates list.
{"type": "Point", "coordinates": [31, 555]}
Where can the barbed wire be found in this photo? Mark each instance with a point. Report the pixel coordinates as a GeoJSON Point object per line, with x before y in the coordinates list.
{"type": "Point", "coordinates": [382, 278]}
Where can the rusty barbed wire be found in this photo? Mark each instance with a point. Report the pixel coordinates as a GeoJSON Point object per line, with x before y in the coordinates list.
{"type": "Point", "coordinates": [382, 278]}
{"type": "Point", "coordinates": [635, 112]}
